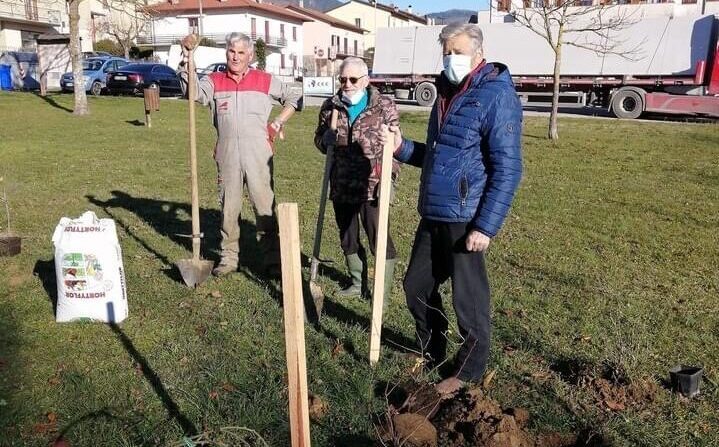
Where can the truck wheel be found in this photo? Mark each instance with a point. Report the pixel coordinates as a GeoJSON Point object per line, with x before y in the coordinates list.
{"type": "Point", "coordinates": [627, 104]}
{"type": "Point", "coordinates": [425, 94]}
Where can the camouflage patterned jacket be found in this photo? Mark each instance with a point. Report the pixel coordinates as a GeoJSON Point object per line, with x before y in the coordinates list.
{"type": "Point", "coordinates": [357, 160]}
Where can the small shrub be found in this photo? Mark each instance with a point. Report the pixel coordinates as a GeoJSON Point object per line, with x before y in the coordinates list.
{"type": "Point", "coordinates": [261, 54]}
{"type": "Point", "coordinates": [108, 46]}
{"type": "Point", "coordinates": [141, 53]}
{"type": "Point", "coordinates": [207, 42]}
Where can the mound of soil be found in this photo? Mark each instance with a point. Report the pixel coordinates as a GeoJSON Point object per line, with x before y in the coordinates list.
{"type": "Point", "coordinates": [469, 418]}
{"type": "Point", "coordinates": [414, 430]}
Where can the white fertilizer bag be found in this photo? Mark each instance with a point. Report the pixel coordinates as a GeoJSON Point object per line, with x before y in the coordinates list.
{"type": "Point", "coordinates": [88, 266]}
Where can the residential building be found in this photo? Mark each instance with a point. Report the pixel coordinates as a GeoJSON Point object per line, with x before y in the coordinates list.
{"type": "Point", "coordinates": [279, 28]}
{"type": "Point", "coordinates": [93, 15]}
{"type": "Point", "coordinates": [21, 21]}
{"type": "Point", "coordinates": [372, 15]}
{"type": "Point", "coordinates": [502, 10]}
{"type": "Point", "coordinates": [328, 41]}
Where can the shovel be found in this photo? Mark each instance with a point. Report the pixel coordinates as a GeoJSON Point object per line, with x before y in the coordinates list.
{"type": "Point", "coordinates": [318, 295]}
{"type": "Point", "coordinates": [195, 270]}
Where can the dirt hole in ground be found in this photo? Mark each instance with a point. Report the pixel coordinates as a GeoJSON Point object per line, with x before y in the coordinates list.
{"type": "Point", "coordinates": [608, 384]}
{"type": "Point", "coordinates": [470, 418]}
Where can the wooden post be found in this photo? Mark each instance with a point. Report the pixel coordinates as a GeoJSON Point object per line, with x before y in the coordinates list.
{"type": "Point", "coordinates": [152, 103]}
{"type": "Point", "coordinates": [381, 250]}
{"type": "Point", "coordinates": [294, 324]}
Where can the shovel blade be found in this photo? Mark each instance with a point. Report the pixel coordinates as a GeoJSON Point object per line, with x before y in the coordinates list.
{"type": "Point", "coordinates": [194, 271]}
{"type": "Point", "coordinates": [318, 297]}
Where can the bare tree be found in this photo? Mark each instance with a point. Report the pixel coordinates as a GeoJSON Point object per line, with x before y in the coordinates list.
{"type": "Point", "coordinates": [567, 22]}
{"type": "Point", "coordinates": [81, 107]}
{"type": "Point", "coordinates": [128, 20]}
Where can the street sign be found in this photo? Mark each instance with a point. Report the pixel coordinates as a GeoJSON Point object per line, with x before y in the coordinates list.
{"type": "Point", "coordinates": [318, 85]}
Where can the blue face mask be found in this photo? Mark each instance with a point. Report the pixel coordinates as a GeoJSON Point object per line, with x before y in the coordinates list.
{"type": "Point", "coordinates": [355, 98]}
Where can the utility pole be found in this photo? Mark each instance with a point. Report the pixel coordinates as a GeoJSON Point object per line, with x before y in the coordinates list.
{"type": "Point", "coordinates": [199, 22]}
{"type": "Point", "coordinates": [375, 24]}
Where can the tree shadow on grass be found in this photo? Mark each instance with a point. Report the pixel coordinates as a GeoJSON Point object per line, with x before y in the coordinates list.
{"type": "Point", "coordinates": [171, 220]}
{"type": "Point", "coordinates": [105, 414]}
{"type": "Point", "coordinates": [50, 100]}
{"type": "Point", "coordinates": [11, 369]}
{"type": "Point", "coordinates": [188, 428]}
{"type": "Point", "coordinates": [45, 271]}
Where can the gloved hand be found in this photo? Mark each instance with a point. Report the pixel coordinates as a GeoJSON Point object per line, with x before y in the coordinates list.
{"type": "Point", "coordinates": [329, 138]}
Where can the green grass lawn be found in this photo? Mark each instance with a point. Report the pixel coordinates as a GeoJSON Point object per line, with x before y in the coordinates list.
{"type": "Point", "coordinates": [608, 263]}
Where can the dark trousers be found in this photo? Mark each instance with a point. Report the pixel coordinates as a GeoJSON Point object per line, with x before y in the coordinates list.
{"type": "Point", "coordinates": [348, 216]}
{"type": "Point", "coordinates": [439, 253]}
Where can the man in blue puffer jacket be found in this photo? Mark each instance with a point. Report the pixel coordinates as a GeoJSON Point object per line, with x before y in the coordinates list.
{"type": "Point", "coordinates": [471, 167]}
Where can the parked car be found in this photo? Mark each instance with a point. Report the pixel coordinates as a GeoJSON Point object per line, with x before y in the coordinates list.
{"type": "Point", "coordinates": [87, 54]}
{"type": "Point", "coordinates": [220, 66]}
{"type": "Point", "coordinates": [133, 78]}
{"type": "Point", "coordinates": [94, 72]}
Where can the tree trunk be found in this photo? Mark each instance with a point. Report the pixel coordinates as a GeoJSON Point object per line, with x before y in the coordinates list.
{"type": "Point", "coordinates": [553, 133]}
{"type": "Point", "coordinates": [81, 107]}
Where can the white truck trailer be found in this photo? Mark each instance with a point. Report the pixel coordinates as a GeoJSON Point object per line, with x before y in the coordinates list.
{"type": "Point", "coordinates": [674, 67]}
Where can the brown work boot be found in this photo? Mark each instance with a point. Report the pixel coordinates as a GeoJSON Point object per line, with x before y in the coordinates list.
{"type": "Point", "coordinates": [223, 269]}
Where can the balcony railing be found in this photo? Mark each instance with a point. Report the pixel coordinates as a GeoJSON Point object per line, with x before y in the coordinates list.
{"type": "Point", "coordinates": [29, 11]}
{"type": "Point", "coordinates": [343, 52]}
{"type": "Point", "coordinates": [218, 38]}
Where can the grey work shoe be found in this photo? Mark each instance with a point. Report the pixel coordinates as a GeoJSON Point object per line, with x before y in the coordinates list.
{"type": "Point", "coordinates": [223, 269]}
{"type": "Point", "coordinates": [355, 267]}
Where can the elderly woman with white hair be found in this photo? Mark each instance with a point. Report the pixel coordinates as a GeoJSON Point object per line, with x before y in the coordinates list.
{"type": "Point", "coordinates": [356, 168]}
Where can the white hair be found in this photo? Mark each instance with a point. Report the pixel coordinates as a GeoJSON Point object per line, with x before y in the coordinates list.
{"type": "Point", "coordinates": [233, 38]}
{"type": "Point", "coordinates": [471, 30]}
{"type": "Point", "coordinates": [356, 62]}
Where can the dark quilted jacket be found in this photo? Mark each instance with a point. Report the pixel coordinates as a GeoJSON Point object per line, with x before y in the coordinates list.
{"type": "Point", "coordinates": [471, 162]}
{"type": "Point", "coordinates": [358, 155]}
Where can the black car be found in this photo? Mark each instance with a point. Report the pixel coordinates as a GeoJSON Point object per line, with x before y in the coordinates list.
{"type": "Point", "coordinates": [133, 78]}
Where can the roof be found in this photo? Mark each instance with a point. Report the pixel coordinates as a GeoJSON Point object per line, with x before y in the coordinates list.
{"type": "Point", "coordinates": [394, 10]}
{"type": "Point", "coordinates": [53, 37]}
{"type": "Point", "coordinates": [188, 6]}
{"type": "Point", "coordinates": [334, 21]}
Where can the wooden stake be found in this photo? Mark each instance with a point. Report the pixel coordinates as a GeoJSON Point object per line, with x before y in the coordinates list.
{"type": "Point", "coordinates": [381, 250]}
{"type": "Point", "coordinates": [294, 324]}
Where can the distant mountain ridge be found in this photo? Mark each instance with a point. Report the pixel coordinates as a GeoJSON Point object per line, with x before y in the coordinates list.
{"type": "Point", "coordinates": [441, 18]}
{"type": "Point", "coordinates": [452, 15]}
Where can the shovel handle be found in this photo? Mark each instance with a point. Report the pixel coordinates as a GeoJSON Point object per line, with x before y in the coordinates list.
{"type": "Point", "coordinates": [314, 266]}
{"type": "Point", "coordinates": [192, 96]}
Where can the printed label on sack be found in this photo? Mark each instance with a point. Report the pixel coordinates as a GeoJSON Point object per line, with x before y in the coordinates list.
{"type": "Point", "coordinates": [84, 229]}
{"type": "Point", "coordinates": [82, 276]}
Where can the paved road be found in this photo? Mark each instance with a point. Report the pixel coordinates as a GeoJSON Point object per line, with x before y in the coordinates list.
{"type": "Point", "coordinates": [586, 112]}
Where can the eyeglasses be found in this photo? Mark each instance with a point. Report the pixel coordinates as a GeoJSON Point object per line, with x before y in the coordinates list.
{"type": "Point", "coordinates": [353, 80]}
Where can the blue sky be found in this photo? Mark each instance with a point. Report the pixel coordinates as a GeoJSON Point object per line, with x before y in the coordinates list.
{"type": "Point", "coordinates": [428, 6]}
